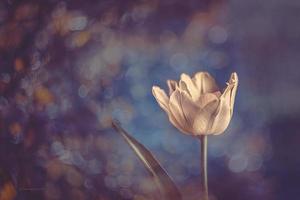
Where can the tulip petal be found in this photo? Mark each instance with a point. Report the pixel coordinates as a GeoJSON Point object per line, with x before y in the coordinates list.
{"type": "Point", "coordinates": [183, 87]}
{"type": "Point", "coordinates": [189, 108]}
{"type": "Point", "coordinates": [218, 94]}
{"type": "Point", "coordinates": [176, 110]}
{"type": "Point", "coordinates": [163, 102]}
{"type": "Point", "coordinates": [225, 110]}
{"type": "Point", "coordinates": [161, 98]}
{"type": "Point", "coordinates": [204, 118]}
{"type": "Point", "coordinates": [173, 120]}
{"type": "Point", "coordinates": [205, 83]}
{"type": "Point", "coordinates": [221, 119]}
{"type": "Point", "coordinates": [172, 86]}
{"type": "Point", "coordinates": [205, 99]}
{"type": "Point", "coordinates": [193, 91]}
{"type": "Point", "coordinates": [233, 81]}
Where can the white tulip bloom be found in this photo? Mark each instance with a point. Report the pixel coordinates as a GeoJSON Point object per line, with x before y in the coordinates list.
{"type": "Point", "coordinates": [196, 106]}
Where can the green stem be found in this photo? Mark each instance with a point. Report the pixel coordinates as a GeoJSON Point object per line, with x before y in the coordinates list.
{"type": "Point", "coordinates": [203, 141]}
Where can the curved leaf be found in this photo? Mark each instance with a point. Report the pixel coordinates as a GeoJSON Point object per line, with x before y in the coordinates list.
{"type": "Point", "coordinates": [165, 183]}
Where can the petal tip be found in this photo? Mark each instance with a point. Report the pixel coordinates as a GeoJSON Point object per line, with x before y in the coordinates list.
{"type": "Point", "coordinates": [171, 83]}
{"type": "Point", "coordinates": [184, 75]}
{"type": "Point", "coordinates": [202, 73]}
{"type": "Point", "coordinates": [234, 77]}
{"type": "Point", "coordinates": [155, 89]}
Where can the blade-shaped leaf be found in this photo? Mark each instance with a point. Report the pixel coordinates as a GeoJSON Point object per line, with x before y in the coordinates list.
{"type": "Point", "coordinates": [165, 183]}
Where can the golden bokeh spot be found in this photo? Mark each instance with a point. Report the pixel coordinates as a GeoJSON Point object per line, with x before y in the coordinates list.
{"type": "Point", "coordinates": [81, 38]}
{"type": "Point", "coordinates": [8, 192]}
{"type": "Point", "coordinates": [59, 24]}
{"type": "Point", "coordinates": [43, 96]}
{"type": "Point", "coordinates": [19, 64]}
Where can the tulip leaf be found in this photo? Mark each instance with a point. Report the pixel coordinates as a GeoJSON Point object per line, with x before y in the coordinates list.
{"type": "Point", "coordinates": [166, 185]}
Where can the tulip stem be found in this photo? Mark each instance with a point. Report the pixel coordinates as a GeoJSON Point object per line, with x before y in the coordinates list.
{"type": "Point", "coordinates": [203, 141]}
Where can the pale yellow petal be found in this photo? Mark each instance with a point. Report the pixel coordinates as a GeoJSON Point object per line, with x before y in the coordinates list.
{"type": "Point", "coordinates": [163, 101]}
{"type": "Point", "coordinates": [233, 81]}
{"type": "Point", "coordinates": [221, 119]}
{"type": "Point", "coordinates": [193, 91]}
{"type": "Point", "coordinates": [176, 110]}
{"type": "Point", "coordinates": [189, 108]}
{"type": "Point", "coordinates": [225, 109]}
{"type": "Point", "coordinates": [161, 98]}
{"type": "Point", "coordinates": [172, 86]}
{"type": "Point", "coordinates": [205, 83]}
{"type": "Point", "coordinates": [204, 118]}
{"type": "Point", "coordinates": [205, 99]}
{"type": "Point", "coordinates": [183, 87]}
{"type": "Point", "coordinates": [218, 94]}
{"type": "Point", "coordinates": [173, 120]}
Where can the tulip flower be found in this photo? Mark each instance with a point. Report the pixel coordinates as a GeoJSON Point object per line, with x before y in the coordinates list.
{"type": "Point", "coordinates": [197, 107]}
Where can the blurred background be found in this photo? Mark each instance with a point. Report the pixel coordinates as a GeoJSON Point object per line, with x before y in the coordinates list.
{"type": "Point", "coordinates": [67, 67]}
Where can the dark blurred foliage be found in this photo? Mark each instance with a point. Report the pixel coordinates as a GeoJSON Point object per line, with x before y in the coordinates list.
{"type": "Point", "coordinates": [67, 67]}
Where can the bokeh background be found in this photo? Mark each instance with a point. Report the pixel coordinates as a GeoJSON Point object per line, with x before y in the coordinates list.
{"type": "Point", "coordinates": [67, 67]}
